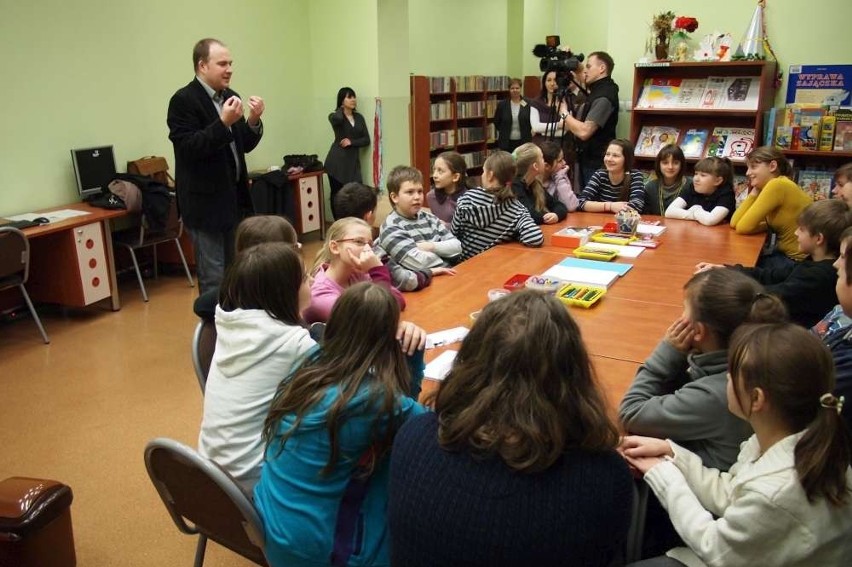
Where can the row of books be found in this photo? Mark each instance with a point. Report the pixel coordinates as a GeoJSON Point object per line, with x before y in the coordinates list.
{"type": "Point", "coordinates": [470, 109]}
{"type": "Point", "coordinates": [472, 83]}
{"type": "Point", "coordinates": [441, 110]}
{"type": "Point", "coordinates": [738, 93]}
{"type": "Point", "coordinates": [472, 134]}
{"type": "Point", "coordinates": [732, 143]}
{"type": "Point", "coordinates": [442, 139]}
{"type": "Point", "coordinates": [810, 127]}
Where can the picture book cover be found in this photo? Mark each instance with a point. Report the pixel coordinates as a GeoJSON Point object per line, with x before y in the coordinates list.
{"type": "Point", "coordinates": [693, 142]}
{"type": "Point", "coordinates": [828, 85]}
{"type": "Point", "coordinates": [843, 130]}
{"type": "Point", "coordinates": [659, 93]}
{"type": "Point", "coordinates": [784, 137]}
{"type": "Point", "coordinates": [653, 138]}
{"type": "Point", "coordinates": [690, 94]}
{"type": "Point", "coordinates": [826, 134]}
{"type": "Point", "coordinates": [741, 93]}
{"type": "Point", "coordinates": [714, 93]}
{"type": "Point", "coordinates": [741, 189]}
{"type": "Point", "coordinates": [738, 143]}
{"type": "Point", "coordinates": [816, 183]}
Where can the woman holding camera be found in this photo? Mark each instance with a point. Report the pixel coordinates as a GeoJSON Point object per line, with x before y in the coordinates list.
{"type": "Point", "coordinates": [342, 164]}
{"type": "Point", "coordinates": [512, 119]}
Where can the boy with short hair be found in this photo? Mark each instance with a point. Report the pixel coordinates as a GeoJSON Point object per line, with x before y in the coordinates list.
{"type": "Point", "coordinates": [414, 238]}
{"type": "Point", "coordinates": [808, 287]}
{"type": "Point", "coordinates": [357, 200]}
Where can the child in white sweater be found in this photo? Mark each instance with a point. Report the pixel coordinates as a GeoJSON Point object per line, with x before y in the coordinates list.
{"type": "Point", "coordinates": [786, 501]}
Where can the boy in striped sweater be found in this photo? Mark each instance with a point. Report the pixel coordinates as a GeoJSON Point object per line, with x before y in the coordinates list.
{"type": "Point", "coordinates": [413, 238]}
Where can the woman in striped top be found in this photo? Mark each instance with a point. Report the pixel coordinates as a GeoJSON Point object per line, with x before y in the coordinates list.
{"type": "Point", "coordinates": [492, 214]}
{"type": "Point", "coordinates": [616, 186]}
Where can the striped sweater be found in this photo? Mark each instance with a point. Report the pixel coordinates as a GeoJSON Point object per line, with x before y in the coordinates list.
{"type": "Point", "coordinates": [400, 235]}
{"type": "Point", "coordinates": [481, 222]}
{"type": "Point", "coordinates": [600, 190]}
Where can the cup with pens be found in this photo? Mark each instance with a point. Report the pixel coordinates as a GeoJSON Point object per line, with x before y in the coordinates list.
{"type": "Point", "coordinates": [580, 295]}
{"type": "Point", "coordinates": [627, 221]}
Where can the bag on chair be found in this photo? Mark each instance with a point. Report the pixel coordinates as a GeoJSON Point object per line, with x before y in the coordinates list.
{"type": "Point", "coordinates": [155, 167]}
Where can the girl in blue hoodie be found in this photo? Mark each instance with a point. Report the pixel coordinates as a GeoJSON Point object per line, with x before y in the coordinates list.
{"type": "Point", "coordinates": [323, 489]}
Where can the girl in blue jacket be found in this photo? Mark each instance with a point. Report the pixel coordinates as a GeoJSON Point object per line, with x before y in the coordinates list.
{"type": "Point", "coordinates": [323, 490]}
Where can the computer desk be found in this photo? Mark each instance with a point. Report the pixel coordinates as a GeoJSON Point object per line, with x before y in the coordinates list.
{"type": "Point", "coordinates": [622, 329]}
{"type": "Point", "coordinates": [72, 261]}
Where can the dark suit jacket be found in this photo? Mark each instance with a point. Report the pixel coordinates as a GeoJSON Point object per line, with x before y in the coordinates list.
{"type": "Point", "coordinates": [344, 164]}
{"type": "Point", "coordinates": [209, 196]}
{"type": "Point", "coordinates": [503, 122]}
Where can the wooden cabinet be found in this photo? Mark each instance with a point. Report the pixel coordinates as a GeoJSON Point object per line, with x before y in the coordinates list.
{"type": "Point", "coordinates": [694, 115]}
{"type": "Point", "coordinates": [453, 113]}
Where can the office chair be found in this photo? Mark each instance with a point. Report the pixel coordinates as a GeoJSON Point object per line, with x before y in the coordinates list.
{"type": "Point", "coordinates": [203, 499]}
{"type": "Point", "coordinates": [203, 346]}
{"type": "Point", "coordinates": [134, 239]}
{"type": "Point", "coordinates": [15, 268]}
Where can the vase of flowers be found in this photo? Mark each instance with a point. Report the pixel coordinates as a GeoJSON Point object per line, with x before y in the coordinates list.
{"type": "Point", "coordinates": [661, 26]}
{"type": "Point", "coordinates": [683, 26]}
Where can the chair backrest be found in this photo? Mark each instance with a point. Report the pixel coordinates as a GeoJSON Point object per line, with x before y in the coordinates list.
{"type": "Point", "coordinates": [198, 490]}
{"type": "Point", "coordinates": [173, 228]}
{"type": "Point", "coordinates": [14, 255]}
{"type": "Point", "coordinates": [203, 346]}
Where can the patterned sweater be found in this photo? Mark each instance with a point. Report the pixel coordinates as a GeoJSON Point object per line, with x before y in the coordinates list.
{"type": "Point", "coordinates": [601, 190]}
{"type": "Point", "coordinates": [481, 222]}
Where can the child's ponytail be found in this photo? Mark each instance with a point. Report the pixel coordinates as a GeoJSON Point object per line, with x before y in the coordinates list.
{"type": "Point", "coordinates": [796, 374]}
{"type": "Point", "coordinates": [502, 166]}
{"type": "Point", "coordinates": [766, 308]}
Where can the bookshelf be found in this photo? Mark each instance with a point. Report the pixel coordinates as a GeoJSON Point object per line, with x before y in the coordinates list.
{"type": "Point", "coordinates": [453, 113]}
{"type": "Point", "coordinates": [676, 107]}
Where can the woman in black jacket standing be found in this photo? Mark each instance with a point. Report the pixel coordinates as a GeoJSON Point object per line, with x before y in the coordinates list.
{"type": "Point", "coordinates": [342, 163]}
{"type": "Point", "coordinates": [512, 119]}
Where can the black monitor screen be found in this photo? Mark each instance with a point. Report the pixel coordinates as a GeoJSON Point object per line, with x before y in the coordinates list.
{"type": "Point", "coordinates": [94, 169]}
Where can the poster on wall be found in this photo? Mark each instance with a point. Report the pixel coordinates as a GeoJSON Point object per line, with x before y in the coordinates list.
{"type": "Point", "coordinates": [827, 85]}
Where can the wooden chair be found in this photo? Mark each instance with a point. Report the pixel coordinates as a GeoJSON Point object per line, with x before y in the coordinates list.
{"type": "Point", "coordinates": [203, 346]}
{"type": "Point", "coordinates": [204, 500]}
{"type": "Point", "coordinates": [135, 239]}
{"type": "Point", "coordinates": [15, 268]}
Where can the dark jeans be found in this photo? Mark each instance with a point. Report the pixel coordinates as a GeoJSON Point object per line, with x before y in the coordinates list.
{"type": "Point", "coordinates": [214, 252]}
{"type": "Point", "coordinates": [334, 187]}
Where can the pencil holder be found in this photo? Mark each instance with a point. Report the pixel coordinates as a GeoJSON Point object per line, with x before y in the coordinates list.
{"type": "Point", "coordinates": [627, 220]}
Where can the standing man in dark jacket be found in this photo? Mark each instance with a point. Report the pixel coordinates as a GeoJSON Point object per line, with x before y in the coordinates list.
{"type": "Point", "coordinates": [211, 137]}
{"type": "Point", "coordinates": [595, 126]}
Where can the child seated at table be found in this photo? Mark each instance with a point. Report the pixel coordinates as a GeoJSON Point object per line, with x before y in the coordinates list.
{"type": "Point", "coordinates": [554, 177]}
{"type": "Point", "coordinates": [323, 489]}
{"type": "Point", "coordinates": [807, 287]}
{"type": "Point", "coordinates": [709, 199]}
{"type": "Point", "coordinates": [449, 182]}
{"type": "Point", "coordinates": [843, 183]}
{"type": "Point", "coordinates": [517, 465]}
{"type": "Point", "coordinates": [617, 185]}
{"type": "Point", "coordinates": [491, 214]}
{"type": "Point", "coordinates": [544, 208]}
{"type": "Point", "coordinates": [260, 340]}
{"type": "Point", "coordinates": [412, 237]}
{"type": "Point", "coordinates": [773, 205]}
{"type": "Point", "coordinates": [786, 501]}
{"type": "Point", "coordinates": [346, 258]}
{"type": "Point", "coordinates": [669, 182]}
{"type": "Point", "coordinates": [251, 231]}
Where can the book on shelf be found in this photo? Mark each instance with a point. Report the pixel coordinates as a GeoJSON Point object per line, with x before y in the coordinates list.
{"type": "Point", "coordinates": [714, 93]}
{"type": "Point", "coordinates": [470, 83]}
{"type": "Point", "coordinates": [693, 142]}
{"type": "Point", "coordinates": [691, 91]}
{"type": "Point", "coordinates": [441, 110]}
{"type": "Point", "coordinates": [439, 85]}
{"type": "Point", "coordinates": [741, 93]}
{"type": "Point", "coordinates": [732, 143]}
{"type": "Point", "coordinates": [843, 130]}
{"type": "Point", "coordinates": [442, 139]}
{"type": "Point", "coordinates": [769, 121]}
{"type": "Point", "coordinates": [816, 183]}
{"type": "Point", "coordinates": [653, 138]}
{"type": "Point", "coordinates": [826, 133]}
{"type": "Point", "coordinates": [741, 189]}
{"type": "Point", "coordinates": [470, 109]}
{"type": "Point", "coordinates": [784, 137]}
{"type": "Point", "coordinates": [659, 93]}
{"type": "Point", "coordinates": [828, 85]}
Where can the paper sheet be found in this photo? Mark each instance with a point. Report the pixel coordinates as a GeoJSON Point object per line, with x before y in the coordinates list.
{"type": "Point", "coordinates": [622, 251]}
{"type": "Point", "coordinates": [446, 337]}
{"type": "Point", "coordinates": [52, 216]}
{"type": "Point", "coordinates": [440, 367]}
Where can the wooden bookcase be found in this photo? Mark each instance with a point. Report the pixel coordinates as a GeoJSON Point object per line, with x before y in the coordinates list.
{"type": "Point", "coordinates": [453, 113]}
{"type": "Point", "coordinates": [686, 118]}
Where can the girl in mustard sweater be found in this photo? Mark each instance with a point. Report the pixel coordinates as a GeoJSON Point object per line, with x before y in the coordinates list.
{"type": "Point", "coordinates": [773, 205]}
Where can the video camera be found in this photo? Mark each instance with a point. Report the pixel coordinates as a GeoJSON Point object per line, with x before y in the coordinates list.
{"type": "Point", "coordinates": [555, 59]}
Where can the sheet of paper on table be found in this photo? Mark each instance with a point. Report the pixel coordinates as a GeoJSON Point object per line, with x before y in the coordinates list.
{"type": "Point", "coordinates": [446, 337]}
{"type": "Point", "coordinates": [440, 367]}
{"type": "Point", "coordinates": [52, 216]}
{"type": "Point", "coordinates": [622, 251]}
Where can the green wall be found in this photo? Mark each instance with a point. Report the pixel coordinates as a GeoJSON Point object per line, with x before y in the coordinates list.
{"type": "Point", "coordinates": [98, 72]}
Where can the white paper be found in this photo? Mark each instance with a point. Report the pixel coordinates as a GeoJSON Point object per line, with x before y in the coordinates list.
{"type": "Point", "coordinates": [52, 216]}
{"type": "Point", "coordinates": [446, 337]}
{"type": "Point", "coordinates": [440, 367]}
{"type": "Point", "coordinates": [622, 251]}
{"type": "Point", "coordinates": [652, 229]}
{"type": "Point", "coordinates": [582, 275]}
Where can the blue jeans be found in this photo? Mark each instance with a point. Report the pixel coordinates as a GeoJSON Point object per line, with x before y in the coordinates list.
{"type": "Point", "coordinates": [214, 251]}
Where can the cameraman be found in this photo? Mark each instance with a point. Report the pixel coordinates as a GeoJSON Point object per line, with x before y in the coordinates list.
{"type": "Point", "coordinates": [594, 127]}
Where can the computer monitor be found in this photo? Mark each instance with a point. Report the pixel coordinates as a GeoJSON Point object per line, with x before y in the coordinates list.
{"type": "Point", "coordinates": [94, 169]}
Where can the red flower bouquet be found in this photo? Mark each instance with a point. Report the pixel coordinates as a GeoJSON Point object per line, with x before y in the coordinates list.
{"type": "Point", "coordinates": [685, 24]}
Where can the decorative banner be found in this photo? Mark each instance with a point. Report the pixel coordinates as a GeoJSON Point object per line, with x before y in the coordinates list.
{"type": "Point", "coordinates": [378, 174]}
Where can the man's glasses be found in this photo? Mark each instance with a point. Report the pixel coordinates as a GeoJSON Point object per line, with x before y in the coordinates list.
{"type": "Point", "coordinates": [356, 241]}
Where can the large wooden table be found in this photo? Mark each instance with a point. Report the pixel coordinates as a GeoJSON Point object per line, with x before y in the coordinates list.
{"type": "Point", "coordinates": [625, 325]}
